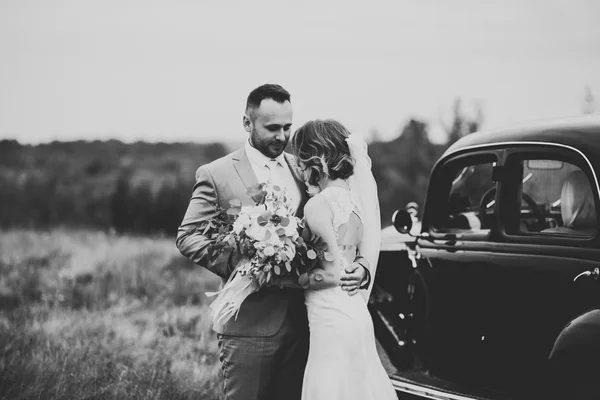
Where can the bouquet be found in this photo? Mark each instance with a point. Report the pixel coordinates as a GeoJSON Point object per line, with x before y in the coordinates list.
{"type": "Point", "coordinates": [271, 240]}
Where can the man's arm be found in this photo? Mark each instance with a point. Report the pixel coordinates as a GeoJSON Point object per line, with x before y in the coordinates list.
{"type": "Point", "coordinates": [190, 240]}
{"type": "Point", "coordinates": [366, 280]}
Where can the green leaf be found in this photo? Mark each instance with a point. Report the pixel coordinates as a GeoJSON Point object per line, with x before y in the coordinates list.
{"type": "Point", "coordinates": [259, 197]}
{"type": "Point", "coordinates": [288, 266]}
{"type": "Point", "coordinates": [235, 203]}
{"type": "Point", "coordinates": [262, 221]}
{"type": "Point", "coordinates": [319, 243]}
{"type": "Point", "coordinates": [234, 210]}
{"type": "Point", "coordinates": [306, 234]}
{"type": "Point", "coordinates": [256, 188]}
{"type": "Point", "coordinates": [303, 280]}
{"type": "Point", "coordinates": [277, 269]}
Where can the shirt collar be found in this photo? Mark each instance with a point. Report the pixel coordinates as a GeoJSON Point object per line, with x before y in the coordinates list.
{"type": "Point", "coordinates": [258, 158]}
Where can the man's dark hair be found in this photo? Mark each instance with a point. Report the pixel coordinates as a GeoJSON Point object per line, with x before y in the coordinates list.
{"type": "Point", "coordinates": [267, 91]}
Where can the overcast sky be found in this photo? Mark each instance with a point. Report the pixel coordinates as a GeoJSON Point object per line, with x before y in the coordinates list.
{"type": "Point", "coordinates": [180, 70]}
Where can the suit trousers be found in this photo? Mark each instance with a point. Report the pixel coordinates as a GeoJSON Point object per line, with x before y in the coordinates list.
{"type": "Point", "coordinates": [265, 368]}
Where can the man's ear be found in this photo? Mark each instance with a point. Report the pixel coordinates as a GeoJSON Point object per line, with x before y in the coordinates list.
{"type": "Point", "coordinates": [247, 123]}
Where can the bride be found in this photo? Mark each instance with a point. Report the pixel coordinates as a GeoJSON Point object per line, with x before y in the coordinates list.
{"type": "Point", "coordinates": [342, 360]}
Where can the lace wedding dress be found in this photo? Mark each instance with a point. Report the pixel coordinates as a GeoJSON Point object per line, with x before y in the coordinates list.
{"type": "Point", "coordinates": [342, 362]}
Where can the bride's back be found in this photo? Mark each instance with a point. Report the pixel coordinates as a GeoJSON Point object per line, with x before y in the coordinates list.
{"type": "Point", "coordinates": [347, 224]}
{"type": "Point", "coordinates": [350, 233]}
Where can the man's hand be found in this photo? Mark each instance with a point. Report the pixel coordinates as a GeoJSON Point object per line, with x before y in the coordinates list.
{"type": "Point", "coordinates": [353, 278]}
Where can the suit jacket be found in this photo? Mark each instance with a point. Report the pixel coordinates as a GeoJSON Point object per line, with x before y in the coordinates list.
{"type": "Point", "coordinates": [262, 313]}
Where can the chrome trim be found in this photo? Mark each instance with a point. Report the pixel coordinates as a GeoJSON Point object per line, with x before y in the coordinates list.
{"type": "Point", "coordinates": [425, 392]}
{"type": "Point", "coordinates": [528, 143]}
{"type": "Point", "coordinates": [390, 328]}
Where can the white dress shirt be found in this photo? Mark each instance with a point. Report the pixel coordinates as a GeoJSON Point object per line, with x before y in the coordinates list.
{"type": "Point", "coordinates": [280, 175]}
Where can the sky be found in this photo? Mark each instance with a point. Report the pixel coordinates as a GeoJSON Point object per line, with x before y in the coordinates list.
{"type": "Point", "coordinates": [180, 70]}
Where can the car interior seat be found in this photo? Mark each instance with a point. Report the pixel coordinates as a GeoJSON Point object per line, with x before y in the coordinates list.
{"type": "Point", "coordinates": [577, 206]}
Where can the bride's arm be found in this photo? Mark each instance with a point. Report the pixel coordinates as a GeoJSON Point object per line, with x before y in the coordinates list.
{"type": "Point", "coordinates": [319, 220]}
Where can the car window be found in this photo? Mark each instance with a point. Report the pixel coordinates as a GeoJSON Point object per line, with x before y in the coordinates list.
{"type": "Point", "coordinates": [470, 202]}
{"type": "Point", "coordinates": [557, 198]}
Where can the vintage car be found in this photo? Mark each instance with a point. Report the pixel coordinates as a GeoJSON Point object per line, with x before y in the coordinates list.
{"type": "Point", "coordinates": [496, 295]}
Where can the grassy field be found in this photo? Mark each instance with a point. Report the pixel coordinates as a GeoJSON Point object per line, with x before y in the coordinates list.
{"type": "Point", "coordinates": [89, 315]}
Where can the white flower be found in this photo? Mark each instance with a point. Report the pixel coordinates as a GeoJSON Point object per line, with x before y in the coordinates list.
{"type": "Point", "coordinates": [268, 251]}
{"type": "Point", "coordinates": [270, 205]}
{"type": "Point", "coordinates": [282, 212]}
{"type": "Point", "coordinates": [273, 237]}
{"type": "Point", "coordinates": [292, 228]}
{"type": "Point", "coordinates": [256, 232]}
{"type": "Point", "coordinates": [252, 211]}
{"type": "Point", "coordinates": [242, 221]}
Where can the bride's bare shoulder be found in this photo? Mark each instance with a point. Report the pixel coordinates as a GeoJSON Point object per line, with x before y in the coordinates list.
{"type": "Point", "coordinates": [315, 202]}
{"type": "Point", "coordinates": [317, 208]}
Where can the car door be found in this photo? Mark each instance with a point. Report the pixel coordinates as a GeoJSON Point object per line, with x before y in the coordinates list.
{"type": "Point", "coordinates": [450, 286]}
{"type": "Point", "coordinates": [389, 298]}
{"type": "Point", "coordinates": [547, 238]}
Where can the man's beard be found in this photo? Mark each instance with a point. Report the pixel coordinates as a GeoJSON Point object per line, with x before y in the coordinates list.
{"type": "Point", "coordinates": [264, 147]}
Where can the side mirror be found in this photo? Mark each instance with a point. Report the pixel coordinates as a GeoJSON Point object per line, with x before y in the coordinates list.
{"type": "Point", "coordinates": [402, 220]}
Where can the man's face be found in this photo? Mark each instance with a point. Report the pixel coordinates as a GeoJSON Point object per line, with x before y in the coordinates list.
{"type": "Point", "coordinates": [270, 127]}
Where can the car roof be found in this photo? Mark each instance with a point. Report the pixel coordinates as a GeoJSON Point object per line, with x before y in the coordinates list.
{"type": "Point", "coordinates": [582, 133]}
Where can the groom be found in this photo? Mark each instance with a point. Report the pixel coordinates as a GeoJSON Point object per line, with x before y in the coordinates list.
{"type": "Point", "coordinates": [263, 352]}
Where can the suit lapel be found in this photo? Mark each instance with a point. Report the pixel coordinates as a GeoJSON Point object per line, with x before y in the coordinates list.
{"type": "Point", "coordinates": [291, 161]}
{"type": "Point", "coordinates": [244, 169]}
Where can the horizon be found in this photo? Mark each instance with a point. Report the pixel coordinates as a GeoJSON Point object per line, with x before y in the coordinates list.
{"type": "Point", "coordinates": [179, 71]}
{"type": "Point", "coordinates": [235, 143]}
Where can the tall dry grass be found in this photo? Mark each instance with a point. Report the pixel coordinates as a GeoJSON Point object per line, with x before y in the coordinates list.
{"type": "Point", "coordinates": [89, 315]}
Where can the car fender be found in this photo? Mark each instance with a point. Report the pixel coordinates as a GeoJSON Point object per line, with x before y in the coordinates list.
{"type": "Point", "coordinates": [574, 361]}
{"type": "Point", "coordinates": [582, 334]}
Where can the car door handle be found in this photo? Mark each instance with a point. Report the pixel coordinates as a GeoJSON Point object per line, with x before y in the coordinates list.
{"type": "Point", "coordinates": [446, 236]}
{"type": "Point", "coordinates": [452, 243]}
{"type": "Point", "coordinates": [447, 242]}
{"type": "Point", "coordinates": [594, 274]}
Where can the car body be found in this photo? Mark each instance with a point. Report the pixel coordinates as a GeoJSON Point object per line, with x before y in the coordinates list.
{"type": "Point", "coordinates": [496, 294]}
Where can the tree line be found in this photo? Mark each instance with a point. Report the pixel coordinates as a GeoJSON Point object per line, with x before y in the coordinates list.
{"type": "Point", "coordinates": [137, 188]}
{"type": "Point", "coordinates": [144, 188]}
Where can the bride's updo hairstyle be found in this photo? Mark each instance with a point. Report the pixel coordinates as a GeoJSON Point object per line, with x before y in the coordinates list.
{"type": "Point", "coordinates": [322, 149]}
